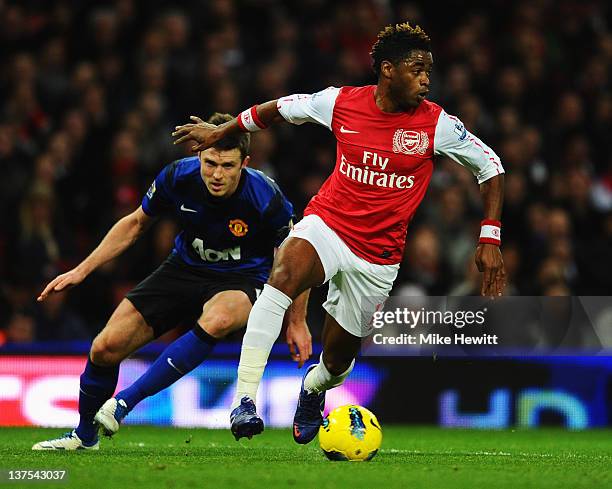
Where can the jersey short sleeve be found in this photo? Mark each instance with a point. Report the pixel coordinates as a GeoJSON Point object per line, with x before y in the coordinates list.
{"type": "Point", "coordinates": [279, 216]}
{"type": "Point", "coordinates": [158, 197]}
{"type": "Point", "coordinates": [452, 139]}
{"type": "Point", "coordinates": [315, 107]}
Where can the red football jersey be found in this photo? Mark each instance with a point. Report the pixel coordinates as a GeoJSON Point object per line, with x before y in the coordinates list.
{"type": "Point", "coordinates": [384, 163]}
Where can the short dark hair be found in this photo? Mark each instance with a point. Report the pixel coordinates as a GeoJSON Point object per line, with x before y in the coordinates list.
{"type": "Point", "coordinates": [241, 140]}
{"type": "Point", "coordinates": [396, 42]}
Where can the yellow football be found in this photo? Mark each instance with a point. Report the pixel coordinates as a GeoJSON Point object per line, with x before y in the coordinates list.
{"type": "Point", "coordinates": [350, 433]}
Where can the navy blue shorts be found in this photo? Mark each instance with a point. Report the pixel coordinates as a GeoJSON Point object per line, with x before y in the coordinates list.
{"type": "Point", "coordinates": [175, 293]}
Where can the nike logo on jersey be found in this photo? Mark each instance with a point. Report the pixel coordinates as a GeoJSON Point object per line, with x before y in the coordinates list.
{"type": "Point", "coordinates": [347, 131]}
{"type": "Point", "coordinates": [169, 360]}
{"type": "Point", "coordinates": [187, 209]}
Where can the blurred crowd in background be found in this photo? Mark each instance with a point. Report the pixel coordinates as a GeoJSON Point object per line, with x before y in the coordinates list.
{"type": "Point", "coordinates": [90, 92]}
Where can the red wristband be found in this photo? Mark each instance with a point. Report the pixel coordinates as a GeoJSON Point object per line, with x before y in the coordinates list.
{"type": "Point", "coordinates": [490, 232]}
{"type": "Point", "coordinates": [249, 121]}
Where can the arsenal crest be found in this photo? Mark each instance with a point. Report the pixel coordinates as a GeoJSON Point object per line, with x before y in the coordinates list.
{"type": "Point", "coordinates": [238, 227]}
{"type": "Point", "coordinates": [410, 142]}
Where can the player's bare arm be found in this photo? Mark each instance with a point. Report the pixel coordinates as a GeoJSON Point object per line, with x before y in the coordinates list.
{"type": "Point", "coordinates": [297, 334]}
{"type": "Point", "coordinates": [205, 135]}
{"type": "Point", "coordinates": [488, 256]}
{"type": "Point", "coordinates": [120, 237]}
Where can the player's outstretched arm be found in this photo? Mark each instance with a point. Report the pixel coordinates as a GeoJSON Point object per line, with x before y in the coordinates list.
{"type": "Point", "coordinates": [488, 255]}
{"type": "Point", "coordinates": [120, 237]}
{"type": "Point", "coordinates": [298, 335]}
{"type": "Point", "coordinates": [206, 135]}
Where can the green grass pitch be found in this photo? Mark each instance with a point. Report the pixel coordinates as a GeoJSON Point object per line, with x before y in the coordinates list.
{"type": "Point", "coordinates": [411, 457]}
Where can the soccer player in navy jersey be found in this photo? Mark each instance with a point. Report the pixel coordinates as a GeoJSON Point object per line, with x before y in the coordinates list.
{"type": "Point", "coordinates": [354, 230]}
{"type": "Point", "coordinates": [232, 219]}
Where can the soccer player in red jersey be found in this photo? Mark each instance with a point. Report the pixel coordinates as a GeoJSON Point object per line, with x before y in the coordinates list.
{"type": "Point", "coordinates": [354, 230]}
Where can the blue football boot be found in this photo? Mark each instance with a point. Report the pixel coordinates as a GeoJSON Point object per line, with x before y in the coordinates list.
{"type": "Point", "coordinates": [245, 421]}
{"type": "Point", "coordinates": [308, 414]}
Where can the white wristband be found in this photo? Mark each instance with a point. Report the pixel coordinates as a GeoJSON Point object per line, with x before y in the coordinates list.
{"type": "Point", "coordinates": [249, 121]}
{"type": "Point", "coordinates": [490, 232]}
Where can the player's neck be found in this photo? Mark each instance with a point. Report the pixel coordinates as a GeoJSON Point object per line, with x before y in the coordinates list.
{"type": "Point", "coordinates": [385, 102]}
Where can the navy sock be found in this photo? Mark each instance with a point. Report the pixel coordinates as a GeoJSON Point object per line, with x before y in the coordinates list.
{"type": "Point", "coordinates": [97, 385]}
{"type": "Point", "coordinates": [178, 359]}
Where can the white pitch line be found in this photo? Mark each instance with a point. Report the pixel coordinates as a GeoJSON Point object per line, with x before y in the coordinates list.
{"type": "Point", "coordinates": [498, 454]}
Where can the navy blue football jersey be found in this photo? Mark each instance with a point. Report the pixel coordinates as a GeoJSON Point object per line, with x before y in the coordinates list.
{"type": "Point", "coordinates": [235, 234]}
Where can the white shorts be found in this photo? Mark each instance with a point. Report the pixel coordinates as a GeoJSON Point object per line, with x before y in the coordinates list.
{"type": "Point", "coordinates": [357, 288]}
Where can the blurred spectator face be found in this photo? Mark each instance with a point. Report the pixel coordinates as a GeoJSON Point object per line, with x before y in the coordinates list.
{"type": "Point", "coordinates": [223, 9]}
{"type": "Point", "coordinates": [511, 152]}
{"type": "Point", "coordinates": [125, 200]}
{"type": "Point", "coordinates": [537, 217]}
{"type": "Point", "coordinates": [94, 102]}
{"type": "Point", "coordinates": [571, 110]}
{"type": "Point", "coordinates": [558, 224]}
{"type": "Point", "coordinates": [514, 194]}
{"type": "Point", "coordinates": [176, 28]}
{"type": "Point", "coordinates": [271, 80]}
{"type": "Point", "coordinates": [54, 54]}
{"type": "Point", "coordinates": [480, 61]}
{"type": "Point", "coordinates": [577, 151]}
{"type": "Point", "coordinates": [263, 144]}
{"type": "Point", "coordinates": [550, 272]}
{"type": "Point", "coordinates": [23, 102]}
{"type": "Point", "coordinates": [21, 329]}
{"type": "Point", "coordinates": [154, 44]}
{"type": "Point", "coordinates": [104, 28]}
{"type": "Point", "coordinates": [226, 99]}
{"type": "Point", "coordinates": [45, 169]}
{"type": "Point", "coordinates": [110, 67]}
{"type": "Point", "coordinates": [509, 121]}
{"type": "Point", "coordinates": [24, 69]}
{"type": "Point", "coordinates": [151, 108]}
{"type": "Point", "coordinates": [286, 32]}
{"type": "Point", "coordinates": [84, 75]}
{"type": "Point", "coordinates": [75, 126]}
{"type": "Point", "coordinates": [7, 144]}
{"type": "Point", "coordinates": [452, 204]}
{"type": "Point", "coordinates": [578, 186]}
{"type": "Point", "coordinates": [40, 205]}
{"type": "Point", "coordinates": [425, 249]}
{"type": "Point", "coordinates": [458, 81]}
{"type": "Point", "coordinates": [469, 112]}
{"type": "Point", "coordinates": [125, 155]}
{"type": "Point", "coordinates": [532, 142]}
{"type": "Point", "coordinates": [134, 123]}
{"type": "Point", "coordinates": [511, 84]}
{"type": "Point", "coordinates": [560, 249]}
{"type": "Point", "coordinates": [60, 149]}
{"type": "Point", "coordinates": [153, 75]}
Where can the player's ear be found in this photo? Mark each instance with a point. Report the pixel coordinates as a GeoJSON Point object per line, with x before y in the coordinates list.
{"type": "Point", "coordinates": [245, 162]}
{"type": "Point", "coordinates": [385, 69]}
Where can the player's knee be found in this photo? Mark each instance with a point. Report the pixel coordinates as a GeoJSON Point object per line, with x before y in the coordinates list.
{"type": "Point", "coordinates": [106, 352]}
{"type": "Point", "coordinates": [219, 325]}
{"type": "Point", "coordinates": [285, 279]}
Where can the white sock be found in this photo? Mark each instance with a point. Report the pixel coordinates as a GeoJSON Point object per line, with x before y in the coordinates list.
{"type": "Point", "coordinates": [263, 328]}
{"type": "Point", "coordinates": [319, 379]}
